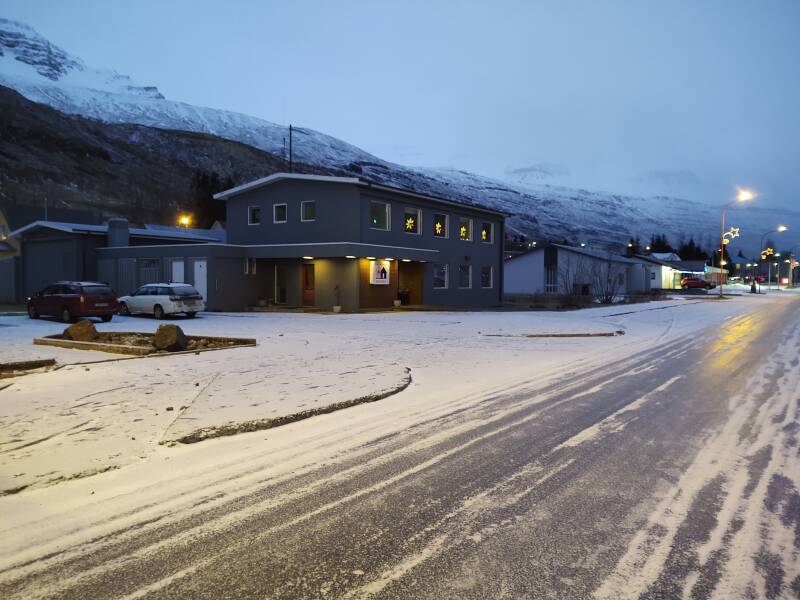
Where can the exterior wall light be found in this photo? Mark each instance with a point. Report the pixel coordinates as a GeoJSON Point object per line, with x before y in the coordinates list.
{"type": "Point", "coordinates": [308, 258]}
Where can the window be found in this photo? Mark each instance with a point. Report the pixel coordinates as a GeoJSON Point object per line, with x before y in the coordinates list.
{"type": "Point", "coordinates": [279, 213]}
{"type": "Point", "coordinates": [487, 232]}
{"type": "Point", "coordinates": [465, 276]}
{"type": "Point", "coordinates": [249, 266]}
{"type": "Point", "coordinates": [184, 290]}
{"type": "Point", "coordinates": [465, 229]}
{"type": "Point", "coordinates": [254, 215]}
{"type": "Point", "coordinates": [440, 226]}
{"type": "Point", "coordinates": [308, 210]}
{"type": "Point", "coordinates": [486, 277]}
{"type": "Point", "coordinates": [97, 290]}
{"type": "Point", "coordinates": [440, 276]}
{"type": "Point", "coordinates": [411, 220]}
{"type": "Point", "coordinates": [379, 215]}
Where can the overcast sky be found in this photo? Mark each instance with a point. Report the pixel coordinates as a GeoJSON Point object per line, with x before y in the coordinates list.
{"type": "Point", "coordinates": [678, 98]}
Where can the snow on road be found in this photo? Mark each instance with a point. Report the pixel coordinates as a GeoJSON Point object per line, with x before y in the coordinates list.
{"type": "Point", "coordinates": [107, 419]}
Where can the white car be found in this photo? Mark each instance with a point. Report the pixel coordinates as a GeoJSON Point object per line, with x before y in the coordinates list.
{"type": "Point", "coordinates": [159, 299]}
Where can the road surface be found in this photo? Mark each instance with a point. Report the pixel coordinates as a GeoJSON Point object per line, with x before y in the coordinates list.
{"type": "Point", "coordinates": [668, 474]}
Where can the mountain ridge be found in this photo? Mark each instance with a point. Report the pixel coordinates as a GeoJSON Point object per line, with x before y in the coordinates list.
{"type": "Point", "coordinates": [47, 74]}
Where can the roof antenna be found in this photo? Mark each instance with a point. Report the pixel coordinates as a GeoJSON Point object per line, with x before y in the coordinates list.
{"type": "Point", "coordinates": [291, 158]}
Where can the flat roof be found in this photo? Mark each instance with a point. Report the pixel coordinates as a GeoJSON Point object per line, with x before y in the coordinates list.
{"type": "Point", "coordinates": [275, 177]}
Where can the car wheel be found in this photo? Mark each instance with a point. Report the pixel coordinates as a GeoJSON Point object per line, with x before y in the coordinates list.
{"type": "Point", "coordinates": [158, 312]}
{"type": "Point", "coordinates": [107, 318]}
{"type": "Point", "coordinates": [191, 315]}
{"type": "Point", "coordinates": [32, 312]}
{"type": "Point", "coordinates": [123, 310]}
{"type": "Point", "coordinates": [66, 315]}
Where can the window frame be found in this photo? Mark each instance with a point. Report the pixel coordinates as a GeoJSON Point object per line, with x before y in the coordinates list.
{"type": "Point", "coordinates": [250, 214]}
{"type": "Point", "coordinates": [491, 277]}
{"type": "Point", "coordinates": [471, 227]}
{"type": "Point", "coordinates": [388, 208]}
{"type": "Point", "coordinates": [446, 285]}
{"type": "Point", "coordinates": [469, 270]}
{"type": "Point", "coordinates": [274, 216]}
{"type": "Point", "coordinates": [302, 211]}
{"type": "Point", "coordinates": [491, 232]}
{"type": "Point", "coordinates": [446, 235]}
{"type": "Point", "coordinates": [418, 211]}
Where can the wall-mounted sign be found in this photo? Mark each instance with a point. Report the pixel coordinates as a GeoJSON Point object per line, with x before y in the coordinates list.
{"type": "Point", "coordinates": [379, 272]}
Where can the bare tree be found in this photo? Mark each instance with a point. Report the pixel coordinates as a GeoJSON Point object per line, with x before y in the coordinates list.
{"type": "Point", "coordinates": [608, 279]}
{"type": "Point", "coordinates": [574, 278]}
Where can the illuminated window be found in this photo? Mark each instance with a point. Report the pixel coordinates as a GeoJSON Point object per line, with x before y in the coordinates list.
{"type": "Point", "coordinates": [465, 229]}
{"type": "Point", "coordinates": [465, 276]}
{"type": "Point", "coordinates": [308, 210]}
{"type": "Point", "coordinates": [487, 276]}
{"type": "Point", "coordinates": [411, 220]}
{"type": "Point", "coordinates": [279, 213]}
{"type": "Point", "coordinates": [440, 276]}
{"type": "Point", "coordinates": [487, 232]}
{"type": "Point", "coordinates": [379, 215]}
{"type": "Point", "coordinates": [254, 215]}
{"type": "Point", "coordinates": [440, 226]}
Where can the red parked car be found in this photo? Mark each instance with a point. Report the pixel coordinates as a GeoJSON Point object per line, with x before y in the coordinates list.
{"type": "Point", "coordinates": [69, 300]}
{"type": "Point", "coordinates": [689, 283]}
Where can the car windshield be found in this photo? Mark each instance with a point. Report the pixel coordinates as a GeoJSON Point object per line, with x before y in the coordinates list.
{"type": "Point", "coordinates": [185, 290]}
{"type": "Point", "coordinates": [100, 290]}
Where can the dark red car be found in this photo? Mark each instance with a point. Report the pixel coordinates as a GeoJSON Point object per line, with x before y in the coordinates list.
{"type": "Point", "coordinates": [69, 300]}
{"type": "Point", "coordinates": [690, 283]}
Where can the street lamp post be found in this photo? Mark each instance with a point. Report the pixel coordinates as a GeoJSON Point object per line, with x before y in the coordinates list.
{"type": "Point", "coordinates": [742, 195]}
{"type": "Point", "coordinates": [765, 255]}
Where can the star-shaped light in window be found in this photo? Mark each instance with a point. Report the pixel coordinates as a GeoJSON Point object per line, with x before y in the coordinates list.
{"type": "Point", "coordinates": [484, 234]}
{"type": "Point", "coordinates": [438, 227]}
{"type": "Point", "coordinates": [410, 224]}
{"type": "Point", "coordinates": [463, 232]}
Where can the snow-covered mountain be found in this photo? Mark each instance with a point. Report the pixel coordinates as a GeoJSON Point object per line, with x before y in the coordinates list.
{"type": "Point", "coordinates": [45, 73]}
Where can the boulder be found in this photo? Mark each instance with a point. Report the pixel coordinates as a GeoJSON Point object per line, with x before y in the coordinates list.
{"type": "Point", "coordinates": [170, 338]}
{"type": "Point", "coordinates": [82, 331]}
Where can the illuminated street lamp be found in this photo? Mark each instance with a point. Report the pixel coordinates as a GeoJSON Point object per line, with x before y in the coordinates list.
{"type": "Point", "coordinates": [742, 195]}
{"type": "Point", "coordinates": [184, 220]}
{"type": "Point", "coordinates": [766, 252]}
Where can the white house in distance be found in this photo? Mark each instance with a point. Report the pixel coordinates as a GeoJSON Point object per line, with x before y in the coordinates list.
{"type": "Point", "coordinates": [568, 270]}
{"type": "Point", "coordinates": [664, 273]}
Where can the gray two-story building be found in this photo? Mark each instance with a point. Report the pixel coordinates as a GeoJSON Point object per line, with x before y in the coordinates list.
{"type": "Point", "coordinates": [316, 241]}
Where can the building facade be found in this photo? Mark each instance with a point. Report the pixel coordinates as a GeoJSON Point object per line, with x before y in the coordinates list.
{"type": "Point", "coordinates": [317, 242]}
{"type": "Point", "coordinates": [566, 270]}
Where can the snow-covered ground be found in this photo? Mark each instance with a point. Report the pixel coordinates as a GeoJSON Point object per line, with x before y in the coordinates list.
{"type": "Point", "coordinates": [101, 412]}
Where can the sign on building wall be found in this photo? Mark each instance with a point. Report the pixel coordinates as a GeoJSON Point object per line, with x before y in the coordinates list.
{"type": "Point", "coordinates": [379, 272]}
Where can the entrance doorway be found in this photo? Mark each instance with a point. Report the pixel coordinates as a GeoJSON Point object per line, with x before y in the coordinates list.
{"type": "Point", "coordinates": [409, 282]}
{"type": "Point", "coordinates": [279, 284]}
{"type": "Point", "coordinates": [308, 284]}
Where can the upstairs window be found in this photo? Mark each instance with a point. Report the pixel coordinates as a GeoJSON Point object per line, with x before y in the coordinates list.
{"type": "Point", "coordinates": [254, 215]}
{"type": "Point", "coordinates": [440, 226]}
{"type": "Point", "coordinates": [379, 215]}
{"type": "Point", "coordinates": [411, 220]}
{"type": "Point", "coordinates": [279, 213]}
{"type": "Point", "coordinates": [465, 229]}
{"type": "Point", "coordinates": [308, 210]}
{"type": "Point", "coordinates": [487, 232]}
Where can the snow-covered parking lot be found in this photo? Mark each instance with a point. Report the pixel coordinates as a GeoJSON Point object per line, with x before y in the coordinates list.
{"type": "Point", "coordinates": [90, 417]}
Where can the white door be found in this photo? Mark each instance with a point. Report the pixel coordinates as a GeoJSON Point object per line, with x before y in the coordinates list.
{"type": "Point", "coordinates": [177, 272]}
{"type": "Point", "coordinates": [201, 278]}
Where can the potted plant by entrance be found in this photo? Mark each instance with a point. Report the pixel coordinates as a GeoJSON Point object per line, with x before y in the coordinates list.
{"type": "Point", "coordinates": [337, 293]}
